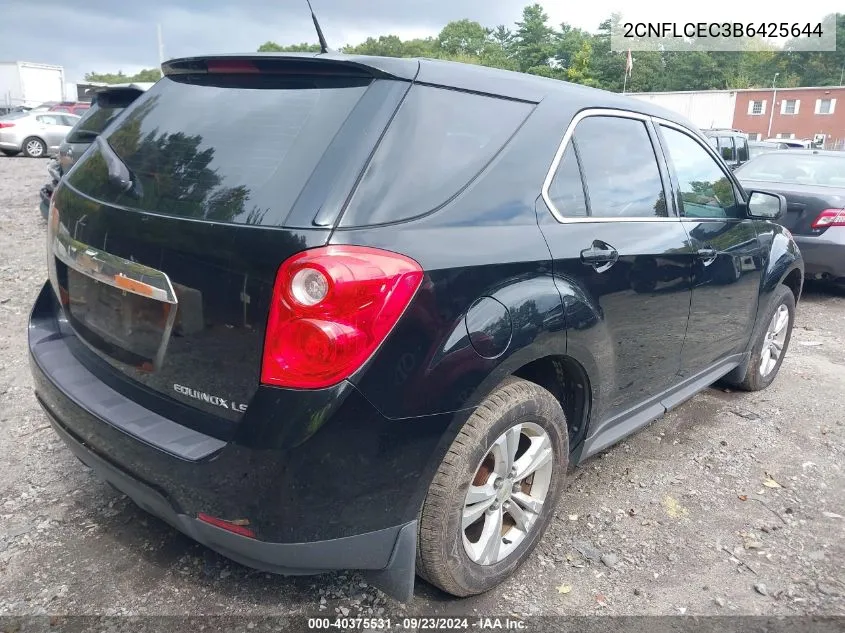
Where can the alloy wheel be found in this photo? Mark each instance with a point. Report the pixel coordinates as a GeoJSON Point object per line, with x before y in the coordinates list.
{"type": "Point", "coordinates": [774, 340]}
{"type": "Point", "coordinates": [34, 148]}
{"type": "Point", "coordinates": [507, 493]}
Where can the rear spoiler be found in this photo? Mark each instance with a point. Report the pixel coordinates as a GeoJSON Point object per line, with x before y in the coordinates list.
{"type": "Point", "coordinates": [296, 64]}
{"type": "Point", "coordinates": [466, 77]}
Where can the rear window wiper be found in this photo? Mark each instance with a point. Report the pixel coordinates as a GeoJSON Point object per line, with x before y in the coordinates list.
{"type": "Point", "coordinates": [119, 173]}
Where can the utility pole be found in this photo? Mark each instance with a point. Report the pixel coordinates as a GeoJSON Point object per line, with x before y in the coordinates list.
{"type": "Point", "coordinates": [160, 50]}
{"type": "Point", "coordinates": [772, 111]}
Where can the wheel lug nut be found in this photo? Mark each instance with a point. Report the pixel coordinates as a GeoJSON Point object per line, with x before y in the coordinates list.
{"type": "Point", "coordinates": [506, 505]}
{"type": "Point", "coordinates": [495, 506]}
{"type": "Point", "coordinates": [498, 483]}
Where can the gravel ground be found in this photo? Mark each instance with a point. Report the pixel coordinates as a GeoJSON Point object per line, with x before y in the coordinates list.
{"type": "Point", "coordinates": [731, 504]}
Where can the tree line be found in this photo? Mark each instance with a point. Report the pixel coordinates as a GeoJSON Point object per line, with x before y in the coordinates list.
{"type": "Point", "coordinates": [569, 53]}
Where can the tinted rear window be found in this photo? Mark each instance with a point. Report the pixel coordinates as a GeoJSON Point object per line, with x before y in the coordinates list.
{"type": "Point", "coordinates": [438, 142]}
{"type": "Point", "coordinates": [234, 150]}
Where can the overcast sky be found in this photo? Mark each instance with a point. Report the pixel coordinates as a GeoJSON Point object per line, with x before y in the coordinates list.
{"type": "Point", "coordinates": [112, 35]}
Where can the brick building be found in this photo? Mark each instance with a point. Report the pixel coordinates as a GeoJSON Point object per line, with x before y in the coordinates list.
{"type": "Point", "coordinates": [800, 113]}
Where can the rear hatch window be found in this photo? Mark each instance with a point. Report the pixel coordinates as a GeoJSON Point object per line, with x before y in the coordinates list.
{"type": "Point", "coordinates": [241, 153]}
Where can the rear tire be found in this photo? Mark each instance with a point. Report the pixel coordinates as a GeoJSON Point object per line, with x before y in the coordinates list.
{"type": "Point", "coordinates": [518, 414]}
{"type": "Point", "coordinates": [34, 147]}
{"type": "Point", "coordinates": [10, 152]}
{"type": "Point", "coordinates": [769, 339]}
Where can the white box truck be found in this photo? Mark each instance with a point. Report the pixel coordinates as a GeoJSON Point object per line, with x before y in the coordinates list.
{"type": "Point", "coordinates": [29, 84]}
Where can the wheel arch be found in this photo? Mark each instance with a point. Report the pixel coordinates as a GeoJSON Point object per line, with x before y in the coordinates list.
{"type": "Point", "coordinates": [794, 280]}
{"type": "Point", "coordinates": [564, 376]}
{"type": "Point", "coordinates": [784, 265]}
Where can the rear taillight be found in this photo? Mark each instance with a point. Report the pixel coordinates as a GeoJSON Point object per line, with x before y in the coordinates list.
{"type": "Point", "coordinates": [828, 218]}
{"type": "Point", "coordinates": [331, 308]}
{"type": "Point", "coordinates": [3, 124]}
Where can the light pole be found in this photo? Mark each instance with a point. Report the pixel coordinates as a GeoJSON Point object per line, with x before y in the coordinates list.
{"type": "Point", "coordinates": [772, 111]}
{"type": "Point", "coordinates": [160, 50]}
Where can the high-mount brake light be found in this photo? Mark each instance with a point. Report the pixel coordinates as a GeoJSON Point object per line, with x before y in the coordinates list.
{"type": "Point", "coordinates": [231, 66]}
{"type": "Point", "coordinates": [331, 308]}
{"type": "Point", "coordinates": [828, 218]}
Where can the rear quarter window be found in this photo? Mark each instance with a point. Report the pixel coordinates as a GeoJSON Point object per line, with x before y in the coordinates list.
{"type": "Point", "coordinates": [438, 142]}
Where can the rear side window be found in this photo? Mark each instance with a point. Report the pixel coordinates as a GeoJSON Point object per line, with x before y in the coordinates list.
{"type": "Point", "coordinates": [567, 189]}
{"type": "Point", "coordinates": [619, 168]}
{"type": "Point", "coordinates": [741, 149]}
{"type": "Point", "coordinates": [50, 119]}
{"type": "Point", "coordinates": [228, 149]}
{"type": "Point", "coordinates": [437, 143]}
{"type": "Point", "coordinates": [705, 190]}
{"type": "Point", "coordinates": [726, 148]}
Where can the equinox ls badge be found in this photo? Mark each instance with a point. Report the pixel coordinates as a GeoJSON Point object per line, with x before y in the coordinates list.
{"type": "Point", "coordinates": [217, 400]}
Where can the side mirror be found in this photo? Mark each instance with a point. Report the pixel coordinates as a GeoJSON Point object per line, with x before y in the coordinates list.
{"type": "Point", "coordinates": [765, 205]}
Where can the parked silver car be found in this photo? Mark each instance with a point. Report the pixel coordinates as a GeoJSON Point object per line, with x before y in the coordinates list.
{"type": "Point", "coordinates": [36, 134]}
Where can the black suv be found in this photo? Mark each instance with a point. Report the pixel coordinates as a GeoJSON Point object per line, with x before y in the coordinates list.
{"type": "Point", "coordinates": [732, 146]}
{"type": "Point", "coordinates": [323, 312]}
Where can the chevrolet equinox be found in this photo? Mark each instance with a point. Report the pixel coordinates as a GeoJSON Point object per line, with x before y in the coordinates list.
{"type": "Point", "coordinates": [330, 312]}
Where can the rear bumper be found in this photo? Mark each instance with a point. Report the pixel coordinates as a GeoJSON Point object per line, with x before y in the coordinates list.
{"type": "Point", "coordinates": [389, 553]}
{"type": "Point", "coordinates": [313, 508]}
{"type": "Point", "coordinates": [824, 256]}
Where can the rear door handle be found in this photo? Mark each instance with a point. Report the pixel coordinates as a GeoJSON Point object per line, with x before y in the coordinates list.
{"type": "Point", "coordinates": [707, 255]}
{"type": "Point", "coordinates": [600, 254]}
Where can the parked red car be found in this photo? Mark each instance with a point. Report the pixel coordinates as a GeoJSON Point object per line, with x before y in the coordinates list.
{"type": "Point", "coordinates": [71, 107]}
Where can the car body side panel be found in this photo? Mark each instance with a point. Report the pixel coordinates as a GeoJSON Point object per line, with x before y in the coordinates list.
{"type": "Point", "coordinates": [625, 325]}
{"type": "Point", "coordinates": [483, 243]}
{"type": "Point", "coordinates": [428, 364]}
{"type": "Point", "coordinates": [783, 256]}
{"type": "Point", "coordinates": [725, 291]}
